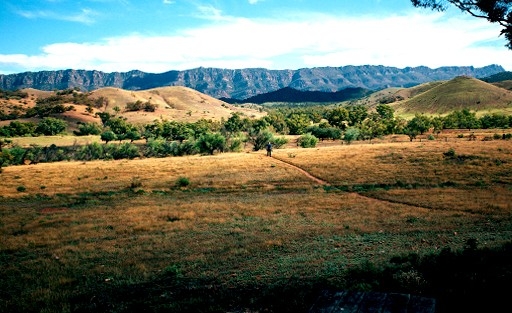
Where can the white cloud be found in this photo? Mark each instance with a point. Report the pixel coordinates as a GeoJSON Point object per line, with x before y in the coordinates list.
{"type": "Point", "coordinates": [168, 2]}
{"type": "Point", "coordinates": [316, 40]}
{"type": "Point", "coordinates": [85, 16]}
{"type": "Point", "coordinates": [254, 1]}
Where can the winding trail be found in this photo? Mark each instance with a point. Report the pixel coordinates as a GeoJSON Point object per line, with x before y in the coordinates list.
{"type": "Point", "coordinates": [325, 183]}
{"type": "Point", "coordinates": [303, 171]}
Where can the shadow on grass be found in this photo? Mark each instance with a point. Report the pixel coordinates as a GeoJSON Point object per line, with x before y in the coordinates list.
{"type": "Point", "coordinates": [470, 280]}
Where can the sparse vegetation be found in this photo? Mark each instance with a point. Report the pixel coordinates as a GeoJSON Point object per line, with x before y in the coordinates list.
{"type": "Point", "coordinates": [253, 233]}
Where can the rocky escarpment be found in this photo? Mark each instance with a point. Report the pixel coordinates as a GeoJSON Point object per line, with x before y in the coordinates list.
{"type": "Point", "coordinates": [245, 83]}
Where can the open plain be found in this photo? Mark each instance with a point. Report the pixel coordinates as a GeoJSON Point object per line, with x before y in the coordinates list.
{"type": "Point", "coordinates": [241, 231]}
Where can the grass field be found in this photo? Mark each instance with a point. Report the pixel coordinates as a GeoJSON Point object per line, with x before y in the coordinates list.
{"type": "Point", "coordinates": [248, 233]}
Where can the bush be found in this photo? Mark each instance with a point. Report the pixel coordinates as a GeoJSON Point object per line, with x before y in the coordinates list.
{"type": "Point", "coordinates": [236, 144]}
{"type": "Point", "coordinates": [13, 156]}
{"type": "Point", "coordinates": [93, 151]}
{"type": "Point", "coordinates": [279, 142]}
{"type": "Point", "coordinates": [450, 153]}
{"type": "Point", "coordinates": [260, 139]}
{"type": "Point", "coordinates": [351, 134]}
{"type": "Point", "coordinates": [126, 151]}
{"type": "Point", "coordinates": [136, 183]}
{"type": "Point", "coordinates": [182, 182]}
{"type": "Point", "coordinates": [155, 148]}
{"type": "Point", "coordinates": [188, 147]}
{"type": "Point", "coordinates": [307, 141]}
{"type": "Point", "coordinates": [88, 129]}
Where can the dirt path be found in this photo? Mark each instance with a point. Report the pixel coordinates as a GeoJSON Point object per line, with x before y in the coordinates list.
{"type": "Point", "coordinates": [303, 171]}
{"type": "Point", "coordinates": [325, 183]}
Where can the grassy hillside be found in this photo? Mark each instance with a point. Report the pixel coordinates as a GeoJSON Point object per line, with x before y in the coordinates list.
{"type": "Point", "coordinates": [457, 94]}
{"type": "Point", "coordinates": [171, 103]}
{"type": "Point", "coordinates": [255, 234]}
{"type": "Point", "coordinates": [394, 94]}
{"type": "Point", "coordinates": [506, 84]}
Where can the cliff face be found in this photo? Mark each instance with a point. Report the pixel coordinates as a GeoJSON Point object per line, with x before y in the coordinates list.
{"type": "Point", "coordinates": [245, 83]}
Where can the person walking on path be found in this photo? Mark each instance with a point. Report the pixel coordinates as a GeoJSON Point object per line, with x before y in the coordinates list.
{"type": "Point", "coordinates": [269, 149]}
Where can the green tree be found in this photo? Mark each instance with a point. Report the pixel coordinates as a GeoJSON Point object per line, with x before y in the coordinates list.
{"type": "Point", "coordinates": [462, 119]}
{"type": "Point", "coordinates": [85, 129]}
{"type": "Point", "coordinates": [357, 114]}
{"type": "Point", "coordinates": [50, 126]}
{"type": "Point", "coordinates": [259, 125]}
{"type": "Point", "coordinates": [324, 131]}
{"type": "Point", "coordinates": [385, 111]}
{"type": "Point", "coordinates": [411, 132]}
{"type": "Point", "coordinates": [338, 117]}
{"type": "Point", "coordinates": [119, 126]}
{"type": "Point", "coordinates": [211, 142]}
{"type": "Point", "coordinates": [104, 117]}
{"type": "Point", "coordinates": [204, 126]}
{"type": "Point", "coordinates": [260, 138]}
{"type": "Point", "coordinates": [93, 151]}
{"type": "Point", "coordinates": [234, 124]}
{"type": "Point", "coordinates": [5, 158]}
{"type": "Point", "coordinates": [494, 11]}
{"type": "Point", "coordinates": [18, 129]}
{"type": "Point", "coordinates": [307, 141]}
{"type": "Point", "coordinates": [297, 123]}
{"type": "Point", "coordinates": [351, 134]}
{"type": "Point", "coordinates": [495, 120]}
{"type": "Point", "coordinates": [132, 135]}
{"type": "Point", "coordinates": [419, 123]}
{"type": "Point", "coordinates": [437, 124]}
{"type": "Point", "coordinates": [277, 120]}
{"type": "Point", "coordinates": [126, 151]}
{"type": "Point", "coordinates": [468, 120]}
{"type": "Point", "coordinates": [108, 136]}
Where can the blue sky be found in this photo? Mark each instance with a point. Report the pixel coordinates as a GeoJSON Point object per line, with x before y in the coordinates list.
{"type": "Point", "coordinates": [161, 35]}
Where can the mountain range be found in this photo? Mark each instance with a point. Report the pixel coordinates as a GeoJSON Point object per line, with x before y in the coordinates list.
{"type": "Point", "coordinates": [242, 84]}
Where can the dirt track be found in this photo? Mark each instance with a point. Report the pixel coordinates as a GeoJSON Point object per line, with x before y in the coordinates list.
{"type": "Point", "coordinates": [306, 173]}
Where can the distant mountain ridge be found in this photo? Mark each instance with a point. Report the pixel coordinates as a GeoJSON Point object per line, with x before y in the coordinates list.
{"type": "Point", "coordinates": [246, 83]}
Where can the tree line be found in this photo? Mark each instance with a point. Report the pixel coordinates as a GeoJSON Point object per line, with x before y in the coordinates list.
{"type": "Point", "coordinates": [173, 138]}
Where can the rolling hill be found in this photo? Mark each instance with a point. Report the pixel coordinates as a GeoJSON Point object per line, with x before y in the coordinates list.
{"type": "Point", "coordinates": [171, 103]}
{"type": "Point", "coordinates": [459, 93]}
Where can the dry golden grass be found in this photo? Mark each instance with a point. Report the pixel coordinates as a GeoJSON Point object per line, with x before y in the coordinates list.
{"type": "Point", "coordinates": [420, 163]}
{"type": "Point", "coordinates": [244, 217]}
{"type": "Point", "coordinates": [226, 171]}
{"type": "Point", "coordinates": [173, 103]}
{"type": "Point", "coordinates": [457, 94]}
